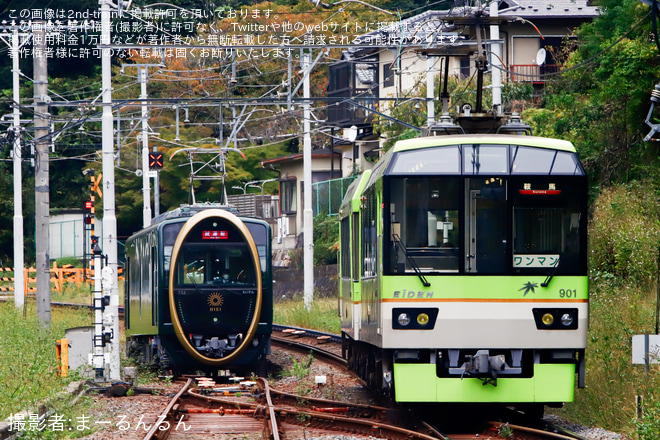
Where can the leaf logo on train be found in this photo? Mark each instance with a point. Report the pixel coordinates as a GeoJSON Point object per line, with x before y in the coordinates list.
{"type": "Point", "coordinates": [215, 301]}
{"type": "Point", "coordinates": [528, 287]}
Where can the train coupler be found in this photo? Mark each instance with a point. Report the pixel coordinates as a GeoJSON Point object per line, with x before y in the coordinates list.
{"type": "Point", "coordinates": [484, 366]}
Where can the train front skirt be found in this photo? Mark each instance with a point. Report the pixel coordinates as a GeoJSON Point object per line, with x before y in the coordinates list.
{"type": "Point", "coordinates": [420, 383]}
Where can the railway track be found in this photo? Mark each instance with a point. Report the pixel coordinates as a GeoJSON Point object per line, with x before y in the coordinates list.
{"type": "Point", "coordinates": [323, 345]}
{"type": "Point", "coordinates": [253, 409]}
{"type": "Point", "coordinates": [254, 415]}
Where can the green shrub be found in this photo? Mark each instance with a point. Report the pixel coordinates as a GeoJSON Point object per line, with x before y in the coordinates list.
{"type": "Point", "coordinates": [326, 243]}
{"type": "Point", "coordinates": [624, 233]}
{"type": "Point", "coordinates": [648, 427]}
{"type": "Point", "coordinates": [326, 239]}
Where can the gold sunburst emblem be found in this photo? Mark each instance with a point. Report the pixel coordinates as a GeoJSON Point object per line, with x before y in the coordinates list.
{"type": "Point", "coordinates": [215, 300]}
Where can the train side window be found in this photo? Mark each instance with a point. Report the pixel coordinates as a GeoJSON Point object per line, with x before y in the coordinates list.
{"type": "Point", "coordinates": [155, 294]}
{"type": "Point", "coordinates": [127, 292]}
{"type": "Point", "coordinates": [261, 237]}
{"type": "Point", "coordinates": [170, 233]}
{"type": "Point", "coordinates": [345, 256]}
{"type": "Point", "coordinates": [369, 235]}
{"type": "Point", "coordinates": [355, 247]}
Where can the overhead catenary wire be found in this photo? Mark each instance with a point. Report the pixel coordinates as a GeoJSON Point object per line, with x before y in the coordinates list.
{"type": "Point", "coordinates": [267, 118]}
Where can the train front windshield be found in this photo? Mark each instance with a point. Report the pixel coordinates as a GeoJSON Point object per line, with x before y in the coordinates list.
{"type": "Point", "coordinates": [487, 209]}
{"type": "Point", "coordinates": [213, 265]}
{"type": "Point", "coordinates": [215, 253]}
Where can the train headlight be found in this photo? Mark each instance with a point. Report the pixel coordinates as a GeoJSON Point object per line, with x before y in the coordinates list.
{"type": "Point", "coordinates": [414, 318]}
{"type": "Point", "coordinates": [422, 319]}
{"type": "Point", "coordinates": [548, 319]}
{"type": "Point", "coordinates": [403, 319]}
{"type": "Point", "coordinates": [566, 319]}
{"type": "Point", "coordinates": [556, 318]}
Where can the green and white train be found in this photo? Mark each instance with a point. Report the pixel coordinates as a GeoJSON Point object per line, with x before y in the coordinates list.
{"type": "Point", "coordinates": [463, 269]}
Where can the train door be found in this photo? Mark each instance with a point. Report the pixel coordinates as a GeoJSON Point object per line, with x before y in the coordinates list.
{"type": "Point", "coordinates": [486, 230]}
{"type": "Point", "coordinates": [346, 296]}
{"type": "Point", "coordinates": [356, 292]}
{"type": "Point", "coordinates": [370, 303]}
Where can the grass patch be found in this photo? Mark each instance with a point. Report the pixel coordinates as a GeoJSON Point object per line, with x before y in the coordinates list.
{"type": "Point", "coordinates": [28, 368]}
{"type": "Point", "coordinates": [81, 294]}
{"type": "Point", "coordinates": [624, 238]}
{"type": "Point", "coordinates": [73, 293]}
{"type": "Point", "coordinates": [617, 313]}
{"type": "Point", "coordinates": [323, 315]}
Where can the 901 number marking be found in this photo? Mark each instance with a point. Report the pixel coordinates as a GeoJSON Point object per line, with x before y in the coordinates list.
{"type": "Point", "coordinates": [568, 293]}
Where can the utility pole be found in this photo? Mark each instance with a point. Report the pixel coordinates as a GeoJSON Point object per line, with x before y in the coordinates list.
{"type": "Point", "coordinates": [430, 90]}
{"type": "Point", "coordinates": [146, 184]}
{"type": "Point", "coordinates": [41, 180]}
{"type": "Point", "coordinates": [496, 60]}
{"type": "Point", "coordinates": [19, 273]}
{"type": "Point", "coordinates": [308, 221]}
{"type": "Point", "coordinates": [147, 213]}
{"type": "Point", "coordinates": [111, 314]}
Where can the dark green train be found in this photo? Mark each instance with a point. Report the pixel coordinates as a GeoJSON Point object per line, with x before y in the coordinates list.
{"type": "Point", "coordinates": [198, 292]}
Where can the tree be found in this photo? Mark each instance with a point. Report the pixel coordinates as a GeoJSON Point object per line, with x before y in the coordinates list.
{"type": "Point", "coordinates": [602, 98]}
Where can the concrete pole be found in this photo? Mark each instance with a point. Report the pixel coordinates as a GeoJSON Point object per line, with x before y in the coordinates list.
{"type": "Point", "coordinates": [19, 261]}
{"type": "Point", "coordinates": [430, 90]}
{"type": "Point", "coordinates": [109, 218]}
{"type": "Point", "coordinates": [496, 50]}
{"type": "Point", "coordinates": [308, 220]}
{"type": "Point", "coordinates": [289, 105]}
{"type": "Point", "coordinates": [41, 179]}
{"type": "Point", "coordinates": [146, 184]}
{"type": "Point", "coordinates": [156, 211]}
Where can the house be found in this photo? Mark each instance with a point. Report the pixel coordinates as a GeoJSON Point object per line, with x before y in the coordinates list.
{"type": "Point", "coordinates": [539, 24]}
{"type": "Point", "coordinates": [452, 42]}
{"type": "Point", "coordinates": [326, 165]}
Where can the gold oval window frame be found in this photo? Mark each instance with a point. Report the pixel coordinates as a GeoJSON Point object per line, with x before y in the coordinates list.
{"type": "Point", "coordinates": [178, 329]}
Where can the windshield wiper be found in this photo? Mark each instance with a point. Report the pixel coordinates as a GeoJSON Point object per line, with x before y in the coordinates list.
{"type": "Point", "coordinates": [551, 274]}
{"type": "Point", "coordinates": [402, 247]}
{"type": "Point", "coordinates": [192, 280]}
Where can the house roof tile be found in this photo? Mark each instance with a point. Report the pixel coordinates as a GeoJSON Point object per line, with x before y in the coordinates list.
{"type": "Point", "coordinates": [549, 9]}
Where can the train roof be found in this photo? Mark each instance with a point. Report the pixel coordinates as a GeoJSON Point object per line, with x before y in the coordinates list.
{"type": "Point", "coordinates": [552, 157]}
{"type": "Point", "coordinates": [185, 211]}
{"type": "Point", "coordinates": [501, 139]}
{"type": "Point", "coordinates": [190, 210]}
{"type": "Point", "coordinates": [350, 202]}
